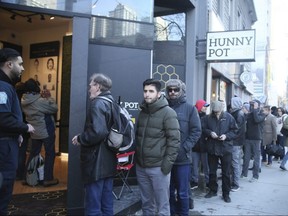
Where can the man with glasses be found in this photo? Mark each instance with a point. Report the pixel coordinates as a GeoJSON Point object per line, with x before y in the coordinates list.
{"type": "Point", "coordinates": [190, 128]}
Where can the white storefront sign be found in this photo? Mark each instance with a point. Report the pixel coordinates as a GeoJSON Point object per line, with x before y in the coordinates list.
{"type": "Point", "coordinates": [231, 46]}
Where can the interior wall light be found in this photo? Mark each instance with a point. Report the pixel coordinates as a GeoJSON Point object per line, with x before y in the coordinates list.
{"type": "Point", "coordinates": [213, 94]}
{"type": "Point", "coordinates": [42, 17]}
{"type": "Point", "coordinates": [13, 17]}
{"type": "Point", "coordinates": [29, 19]}
{"type": "Point", "coordinates": [52, 17]}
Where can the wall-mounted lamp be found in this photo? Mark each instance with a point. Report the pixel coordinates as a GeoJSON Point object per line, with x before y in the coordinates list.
{"type": "Point", "coordinates": [213, 94]}
{"type": "Point", "coordinates": [13, 17]}
{"type": "Point", "coordinates": [29, 19]}
{"type": "Point", "coordinates": [42, 17]}
{"type": "Point", "coordinates": [52, 17]}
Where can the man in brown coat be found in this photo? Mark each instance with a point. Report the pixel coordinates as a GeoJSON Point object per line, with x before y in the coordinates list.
{"type": "Point", "coordinates": [269, 133]}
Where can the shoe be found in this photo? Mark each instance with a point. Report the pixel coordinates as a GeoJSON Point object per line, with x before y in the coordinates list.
{"type": "Point", "coordinates": [227, 199]}
{"type": "Point", "coordinates": [191, 203]}
{"type": "Point", "coordinates": [269, 164]}
{"type": "Point", "coordinates": [243, 176]}
{"type": "Point", "coordinates": [251, 168]}
{"type": "Point", "coordinates": [193, 185]}
{"type": "Point", "coordinates": [283, 168]}
{"type": "Point", "coordinates": [50, 182]}
{"type": "Point", "coordinates": [210, 194]}
{"type": "Point", "coordinates": [235, 188]}
{"type": "Point", "coordinates": [253, 180]}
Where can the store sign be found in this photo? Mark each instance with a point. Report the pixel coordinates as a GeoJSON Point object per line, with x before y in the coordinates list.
{"type": "Point", "coordinates": [231, 46]}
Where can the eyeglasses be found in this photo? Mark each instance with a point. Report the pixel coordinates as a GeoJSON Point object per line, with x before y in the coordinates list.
{"type": "Point", "coordinates": [174, 89]}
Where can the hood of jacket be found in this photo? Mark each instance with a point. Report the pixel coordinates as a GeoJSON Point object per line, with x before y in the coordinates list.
{"type": "Point", "coordinates": [236, 103]}
{"type": "Point", "coordinates": [28, 99]}
{"type": "Point", "coordinates": [152, 108]}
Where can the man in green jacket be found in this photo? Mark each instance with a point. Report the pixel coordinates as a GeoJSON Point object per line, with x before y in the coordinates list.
{"type": "Point", "coordinates": [157, 145]}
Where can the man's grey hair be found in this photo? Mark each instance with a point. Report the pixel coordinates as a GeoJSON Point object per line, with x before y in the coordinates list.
{"type": "Point", "coordinates": [103, 80]}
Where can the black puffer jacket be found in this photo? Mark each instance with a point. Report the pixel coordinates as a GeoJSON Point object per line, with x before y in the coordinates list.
{"type": "Point", "coordinates": [255, 123]}
{"type": "Point", "coordinates": [226, 124]}
{"type": "Point", "coordinates": [190, 128]}
{"type": "Point", "coordinates": [97, 160]}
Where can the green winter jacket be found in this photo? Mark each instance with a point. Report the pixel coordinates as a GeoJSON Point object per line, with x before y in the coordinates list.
{"type": "Point", "coordinates": [157, 136]}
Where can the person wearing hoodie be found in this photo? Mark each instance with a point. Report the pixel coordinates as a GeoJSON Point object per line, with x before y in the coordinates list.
{"type": "Point", "coordinates": [199, 152]}
{"type": "Point", "coordinates": [190, 128]}
{"type": "Point", "coordinates": [239, 116]}
{"type": "Point", "coordinates": [157, 146]}
{"type": "Point", "coordinates": [11, 123]}
{"type": "Point", "coordinates": [40, 113]}
{"type": "Point", "coordinates": [220, 128]}
{"type": "Point", "coordinates": [253, 139]}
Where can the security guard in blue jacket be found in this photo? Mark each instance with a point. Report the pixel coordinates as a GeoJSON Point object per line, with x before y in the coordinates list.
{"type": "Point", "coordinates": [11, 123]}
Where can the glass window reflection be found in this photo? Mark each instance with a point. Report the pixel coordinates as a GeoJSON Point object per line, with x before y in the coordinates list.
{"type": "Point", "coordinates": [138, 10]}
{"type": "Point", "coordinates": [170, 28]}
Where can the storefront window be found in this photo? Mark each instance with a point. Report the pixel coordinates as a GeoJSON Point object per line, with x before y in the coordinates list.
{"type": "Point", "coordinates": [121, 32]}
{"type": "Point", "coordinates": [137, 10]}
{"type": "Point", "coordinates": [170, 28]}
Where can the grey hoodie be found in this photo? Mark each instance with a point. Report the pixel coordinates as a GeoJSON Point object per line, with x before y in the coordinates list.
{"type": "Point", "coordinates": [35, 107]}
{"type": "Point", "coordinates": [236, 103]}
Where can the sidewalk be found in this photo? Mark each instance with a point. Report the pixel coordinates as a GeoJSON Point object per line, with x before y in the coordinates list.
{"type": "Point", "coordinates": [267, 196]}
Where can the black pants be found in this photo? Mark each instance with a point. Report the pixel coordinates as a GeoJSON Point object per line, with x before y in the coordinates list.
{"type": "Point", "coordinates": [226, 162]}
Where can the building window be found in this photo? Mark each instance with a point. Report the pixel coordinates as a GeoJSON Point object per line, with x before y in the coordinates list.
{"type": "Point", "coordinates": [140, 10]}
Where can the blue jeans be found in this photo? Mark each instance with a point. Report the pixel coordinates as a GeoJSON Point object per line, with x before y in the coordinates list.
{"type": "Point", "coordinates": [264, 155]}
{"type": "Point", "coordinates": [198, 157]}
{"type": "Point", "coordinates": [99, 197]}
{"type": "Point", "coordinates": [284, 160]}
{"type": "Point", "coordinates": [154, 190]}
{"type": "Point", "coordinates": [49, 146]}
{"type": "Point", "coordinates": [236, 167]}
{"type": "Point", "coordinates": [251, 147]}
{"type": "Point", "coordinates": [180, 184]}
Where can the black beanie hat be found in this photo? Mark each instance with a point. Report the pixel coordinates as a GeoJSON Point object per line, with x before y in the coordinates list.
{"type": "Point", "coordinates": [32, 85]}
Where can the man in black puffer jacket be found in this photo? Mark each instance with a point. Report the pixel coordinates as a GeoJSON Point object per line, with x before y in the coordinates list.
{"type": "Point", "coordinates": [190, 128]}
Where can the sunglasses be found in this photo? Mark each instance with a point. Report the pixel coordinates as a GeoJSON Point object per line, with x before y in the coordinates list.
{"type": "Point", "coordinates": [174, 89]}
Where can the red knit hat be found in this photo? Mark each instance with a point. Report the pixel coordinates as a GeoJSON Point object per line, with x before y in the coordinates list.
{"type": "Point", "coordinates": [200, 104]}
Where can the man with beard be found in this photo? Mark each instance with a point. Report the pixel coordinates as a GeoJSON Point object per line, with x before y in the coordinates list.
{"type": "Point", "coordinates": [11, 122]}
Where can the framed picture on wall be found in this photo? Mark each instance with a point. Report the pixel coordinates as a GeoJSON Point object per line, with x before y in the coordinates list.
{"type": "Point", "coordinates": [44, 65]}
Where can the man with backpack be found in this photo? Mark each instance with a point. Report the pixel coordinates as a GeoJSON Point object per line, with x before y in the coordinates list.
{"type": "Point", "coordinates": [98, 161]}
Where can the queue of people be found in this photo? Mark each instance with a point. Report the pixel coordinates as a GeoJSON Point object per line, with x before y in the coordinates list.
{"type": "Point", "coordinates": [174, 141]}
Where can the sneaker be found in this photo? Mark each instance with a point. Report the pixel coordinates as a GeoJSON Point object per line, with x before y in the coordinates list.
{"type": "Point", "coordinates": [191, 203]}
{"type": "Point", "coordinates": [269, 164]}
{"type": "Point", "coordinates": [210, 194]}
{"type": "Point", "coordinates": [251, 168]}
{"type": "Point", "coordinates": [235, 188]}
{"type": "Point", "coordinates": [283, 168]}
{"type": "Point", "coordinates": [50, 182]}
{"type": "Point", "coordinates": [227, 199]}
{"type": "Point", "coordinates": [193, 185]}
{"type": "Point", "coordinates": [253, 180]}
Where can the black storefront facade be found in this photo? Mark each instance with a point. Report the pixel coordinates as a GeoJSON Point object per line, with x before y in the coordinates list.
{"type": "Point", "coordinates": [128, 59]}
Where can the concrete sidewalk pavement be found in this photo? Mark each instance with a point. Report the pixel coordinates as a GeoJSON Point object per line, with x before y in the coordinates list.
{"type": "Point", "coordinates": [267, 196]}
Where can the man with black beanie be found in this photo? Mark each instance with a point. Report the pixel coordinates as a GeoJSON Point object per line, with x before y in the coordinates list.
{"type": "Point", "coordinates": [11, 122]}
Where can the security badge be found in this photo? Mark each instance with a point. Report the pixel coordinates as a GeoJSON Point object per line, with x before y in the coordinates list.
{"type": "Point", "coordinates": [3, 98]}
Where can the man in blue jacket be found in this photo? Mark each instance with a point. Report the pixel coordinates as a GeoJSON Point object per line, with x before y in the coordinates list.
{"type": "Point", "coordinates": [190, 128]}
{"type": "Point", "coordinates": [11, 123]}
